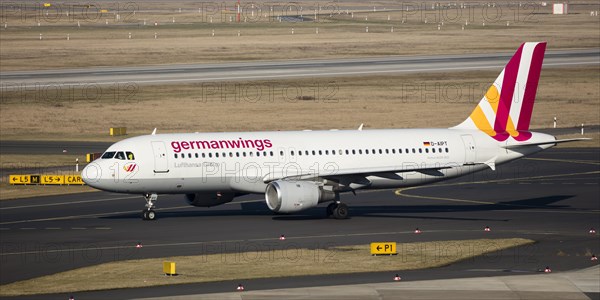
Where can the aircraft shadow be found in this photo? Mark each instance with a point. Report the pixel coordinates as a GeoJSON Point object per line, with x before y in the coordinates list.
{"type": "Point", "coordinates": [369, 211]}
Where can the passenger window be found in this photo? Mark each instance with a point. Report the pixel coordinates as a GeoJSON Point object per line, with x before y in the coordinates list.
{"type": "Point", "coordinates": [353, 152]}
{"type": "Point", "coordinates": [446, 150]}
{"type": "Point", "coordinates": [326, 152]}
{"type": "Point", "coordinates": [426, 150]}
{"type": "Point", "coordinates": [217, 154]}
{"type": "Point", "coordinates": [210, 155]}
{"type": "Point", "coordinates": [108, 155]}
{"type": "Point", "coordinates": [175, 155]}
{"type": "Point", "coordinates": [420, 150]}
{"type": "Point", "coordinates": [120, 155]}
{"type": "Point", "coordinates": [203, 155]}
{"type": "Point", "coordinates": [433, 150]}
{"type": "Point", "coordinates": [394, 151]}
{"type": "Point", "coordinates": [366, 151]}
{"type": "Point", "coordinates": [196, 154]}
{"type": "Point", "coordinates": [130, 155]}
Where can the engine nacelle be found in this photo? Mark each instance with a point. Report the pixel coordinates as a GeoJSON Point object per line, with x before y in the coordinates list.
{"type": "Point", "coordinates": [209, 199]}
{"type": "Point", "coordinates": [292, 196]}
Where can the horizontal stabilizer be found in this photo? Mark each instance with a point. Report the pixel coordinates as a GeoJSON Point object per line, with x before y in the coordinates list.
{"type": "Point", "coordinates": [544, 143]}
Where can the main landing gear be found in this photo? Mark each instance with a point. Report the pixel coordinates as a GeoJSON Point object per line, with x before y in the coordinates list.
{"type": "Point", "coordinates": [338, 210]}
{"type": "Point", "coordinates": [148, 213]}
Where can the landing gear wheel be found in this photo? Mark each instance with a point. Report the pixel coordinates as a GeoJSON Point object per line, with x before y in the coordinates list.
{"type": "Point", "coordinates": [330, 208]}
{"type": "Point", "coordinates": [148, 215]}
{"type": "Point", "coordinates": [151, 215]}
{"type": "Point", "coordinates": [341, 211]}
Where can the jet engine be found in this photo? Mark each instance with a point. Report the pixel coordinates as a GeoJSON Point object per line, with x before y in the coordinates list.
{"type": "Point", "coordinates": [209, 199]}
{"type": "Point", "coordinates": [292, 196]}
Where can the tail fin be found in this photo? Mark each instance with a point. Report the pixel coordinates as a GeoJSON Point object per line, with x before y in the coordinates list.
{"type": "Point", "coordinates": [509, 101]}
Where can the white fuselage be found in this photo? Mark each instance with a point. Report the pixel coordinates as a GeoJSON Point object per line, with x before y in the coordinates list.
{"type": "Point", "coordinates": [244, 162]}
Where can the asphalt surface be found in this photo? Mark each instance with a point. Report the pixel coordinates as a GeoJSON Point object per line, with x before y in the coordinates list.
{"type": "Point", "coordinates": [52, 147]}
{"type": "Point", "coordinates": [182, 73]}
{"type": "Point", "coordinates": [551, 198]}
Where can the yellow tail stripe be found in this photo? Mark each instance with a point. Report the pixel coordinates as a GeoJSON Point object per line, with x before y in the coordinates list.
{"type": "Point", "coordinates": [482, 123]}
{"type": "Point", "coordinates": [493, 98]}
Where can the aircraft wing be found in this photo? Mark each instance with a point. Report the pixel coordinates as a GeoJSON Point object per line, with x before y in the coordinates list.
{"type": "Point", "coordinates": [380, 171]}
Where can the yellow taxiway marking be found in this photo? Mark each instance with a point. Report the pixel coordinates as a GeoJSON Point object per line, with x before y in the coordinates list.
{"type": "Point", "coordinates": [400, 192]}
{"type": "Point", "coordinates": [573, 161]}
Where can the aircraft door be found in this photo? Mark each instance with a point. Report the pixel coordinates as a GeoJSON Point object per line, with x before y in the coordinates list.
{"type": "Point", "coordinates": [469, 148]}
{"type": "Point", "coordinates": [161, 164]}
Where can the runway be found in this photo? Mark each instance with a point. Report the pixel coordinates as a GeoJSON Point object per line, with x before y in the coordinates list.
{"type": "Point", "coordinates": [550, 197]}
{"type": "Point", "coordinates": [262, 70]}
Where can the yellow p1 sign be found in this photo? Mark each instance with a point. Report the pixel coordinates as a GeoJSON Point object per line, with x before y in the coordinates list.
{"type": "Point", "coordinates": [383, 248]}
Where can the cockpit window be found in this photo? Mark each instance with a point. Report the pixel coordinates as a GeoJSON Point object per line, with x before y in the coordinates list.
{"type": "Point", "coordinates": [130, 155]}
{"type": "Point", "coordinates": [110, 154]}
{"type": "Point", "coordinates": [120, 155]}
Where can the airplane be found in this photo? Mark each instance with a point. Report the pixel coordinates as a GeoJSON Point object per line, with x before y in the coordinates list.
{"type": "Point", "coordinates": [298, 170]}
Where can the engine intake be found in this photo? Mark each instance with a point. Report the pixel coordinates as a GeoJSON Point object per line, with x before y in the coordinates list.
{"type": "Point", "coordinates": [209, 199]}
{"type": "Point", "coordinates": [292, 196]}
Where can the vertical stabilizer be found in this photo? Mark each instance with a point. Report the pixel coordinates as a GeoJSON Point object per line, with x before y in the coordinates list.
{"type": "Point", "coordinates": [505, 109]}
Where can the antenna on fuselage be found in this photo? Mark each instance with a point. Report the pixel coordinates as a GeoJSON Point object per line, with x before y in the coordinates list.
{"type": "Point", "coordinates": [361, 126]}
{"type": "Point", "coordinates": [154, 131]}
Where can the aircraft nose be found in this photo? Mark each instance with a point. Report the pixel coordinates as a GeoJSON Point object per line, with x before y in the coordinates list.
{"type": "Point", "coordinates": [91, 174]}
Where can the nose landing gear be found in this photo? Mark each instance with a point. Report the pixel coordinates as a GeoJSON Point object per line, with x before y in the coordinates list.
{"type": "Point", "coordinates": [148, 213]}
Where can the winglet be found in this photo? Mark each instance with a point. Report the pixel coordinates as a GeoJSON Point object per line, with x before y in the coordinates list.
{"type": "Point", "coordinates": [154, 131]}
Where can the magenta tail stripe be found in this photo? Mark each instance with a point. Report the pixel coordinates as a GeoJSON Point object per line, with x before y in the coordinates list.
{"type": "Point", "coordinates": [531, 87]}
{"type": "Point", "coordinates": [508, 88]}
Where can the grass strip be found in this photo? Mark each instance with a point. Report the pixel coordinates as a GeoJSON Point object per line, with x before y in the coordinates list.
{"type": "Point", "coordinates": [282, 260]}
